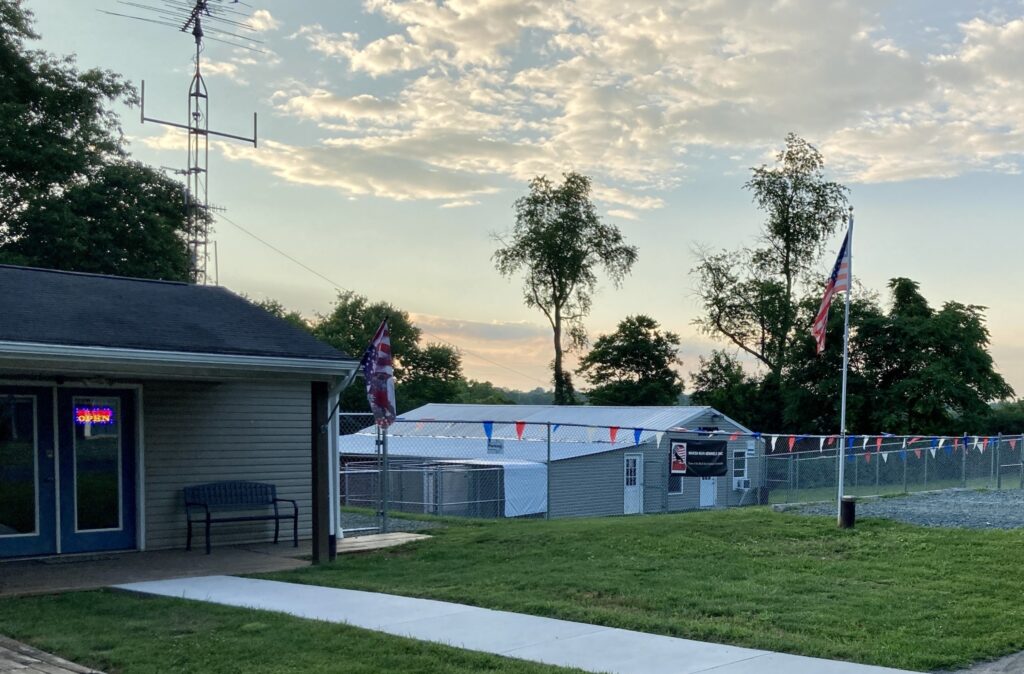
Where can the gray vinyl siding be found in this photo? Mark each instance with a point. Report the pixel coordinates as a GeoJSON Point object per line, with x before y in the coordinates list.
{"type": "Point", "coordinates": [197, 432]}
{"type": "Point", "coordinates": [587, 486]}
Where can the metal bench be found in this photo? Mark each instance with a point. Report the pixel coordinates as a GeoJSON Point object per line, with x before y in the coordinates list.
{"type": "Point", "coordinates": [233, 496]}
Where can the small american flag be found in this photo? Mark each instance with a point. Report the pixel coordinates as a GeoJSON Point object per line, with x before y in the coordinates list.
{"type": "Point", "coordinates": [379, 373]}
{"type": "Point", "coordinates": [837, 282]}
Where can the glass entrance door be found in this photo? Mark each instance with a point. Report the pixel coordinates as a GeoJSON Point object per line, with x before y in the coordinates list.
{"type": "Point", "coordinates": [97, 470]}
{"type": "Point", "coordinates": [27, 487]}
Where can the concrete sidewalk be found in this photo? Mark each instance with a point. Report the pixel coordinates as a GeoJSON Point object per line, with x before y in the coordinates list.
{"type": "Point", "coordinates": [555, 642]}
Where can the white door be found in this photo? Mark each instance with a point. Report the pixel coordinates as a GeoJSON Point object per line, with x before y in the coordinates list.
{"type": "Point", "coordinates": [708, 489]}
{"type": "Point", "coordinates": [633, 484]}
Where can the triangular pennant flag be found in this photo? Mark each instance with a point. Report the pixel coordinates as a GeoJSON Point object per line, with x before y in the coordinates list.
{"type": "Point", "coordinates": [792, 441]}
{"type": "Point", "coordinates": [904, 443]}
{"type": "Point", "coordinates": [948, 450]}
{"type": "Point", "coordinates": [913, 440]}
{"type": "Point", "coordinates": [933, 452]}
{"type": "Point", "coordinates": [1013, 443]}
{"type": "Point", "coordinates": [942, 441]}
{"type": "Point", "coordinates": [984, 443]}
{"type": "Point", "coordinates": [520, 427]}
{"type": "Point", "coordinates": [612, 432]}
{"type": "Point", "coordinates": [849, 443]}
{"type": "Point", "coordinates": [867, 458]}
{"type": "Point", "coordinates": [864, 447]}
{"type": "Point", "coordinates": [657, 438]}
{"type": "Point", "coordinates": [554, 429]}
{"type": "Point", "coordinates": [917, 453]}
{"type": "Point", "coordinates": [935, 443]}
{"type": "Point", "coordinates": [903, 455]}
{"type": "Point", "coordinates": [734, 437]}
{"type": "Point", "coordinates": [830, 440]}
{"type": "Point", "coordinates": [488, 429]}
{"type": "Point", "coordinates": [878, 444]}
{"type": "Point", "coordinates": [775, 439]}
{"type": "Point", "coordinates": [636, 435]}
{"type": "Point", "coordinates": [821, 444]}
{"type": "Point", "coordinates": [885, 457]}
{"type": "Point", "coordinates": [757, 436]}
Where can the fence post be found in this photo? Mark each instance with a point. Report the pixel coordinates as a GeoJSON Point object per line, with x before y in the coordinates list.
{"type": "Point", "coordinates": [992, 469]}
{"type": "Point", "coordinates": [906, 460]}
{"type": "Point", "coordinates": [878, 468]}
{"type": "Point", "coordinates": [999, 462]}
{"type": "Point", "coordinates": [789, 479]}
{"type": "Point", "coordinates": [963, 468]}
{"type": "Point", "coordinates": [547, 478]}
{"type": "Point", "coordinates": [796, 463]}
{"type": "Point", "coordinates": [926, 453]}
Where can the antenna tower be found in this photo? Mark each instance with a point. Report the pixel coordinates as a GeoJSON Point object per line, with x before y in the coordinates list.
{"type": "Point", "coordinates": [227, 22]}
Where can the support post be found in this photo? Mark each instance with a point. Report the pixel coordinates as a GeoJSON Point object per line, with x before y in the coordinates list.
{"type": "Point", "coordinates": [385, 522]}
{"type": "Point", "coordinates": [906, 460]}
{"type": "Point", "coordinates": [547, 477]}
{"type": "Point", "coordinates": [999, 462]}
{"type": "Point", "coordinates": [926, 453]}
{"type": "Point", "coordinates": [321, 472]}
{"type": "Point", "coordinates": [963, 465]}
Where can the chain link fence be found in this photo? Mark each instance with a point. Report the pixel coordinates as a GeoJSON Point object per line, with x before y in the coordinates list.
{"type": "Point", "coordinates": [436, 469]}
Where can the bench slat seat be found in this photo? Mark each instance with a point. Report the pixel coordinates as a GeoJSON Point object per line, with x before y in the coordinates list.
{"type": "Point", "coordinates": [203, 500]}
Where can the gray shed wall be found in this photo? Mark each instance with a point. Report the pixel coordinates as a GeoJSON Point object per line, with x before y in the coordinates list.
{"type": "Point", "coordinates": [197, 432]}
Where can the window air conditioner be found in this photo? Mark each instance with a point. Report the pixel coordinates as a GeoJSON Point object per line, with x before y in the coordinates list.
{"type": "Point", "coordinates": [741, 483]}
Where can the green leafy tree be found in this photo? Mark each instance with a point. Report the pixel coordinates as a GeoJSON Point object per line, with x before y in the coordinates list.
{"type": "Point", "coordinates": [751, 296]}
{"type": "Point", "coordinates": [484, 393]}
{"type": "Point", "coordinates": [559, 242]}
{"type": "Point", "coordinates": [722, 383]}
{"type": "Point", "coordinates": [69, 197]}
{"type": "Point", "coordinates": [633, 365]}
{"type": "Point", "coordinates": [431, 374]}
{"type": "Point", "coordinates": [274, 307]}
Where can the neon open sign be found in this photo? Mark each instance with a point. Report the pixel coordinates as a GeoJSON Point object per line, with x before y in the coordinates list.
{"type": "Point", "coordinates": [94, 415]}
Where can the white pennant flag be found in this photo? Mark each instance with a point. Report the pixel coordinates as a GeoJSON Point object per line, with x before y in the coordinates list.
{"type": "Point", "coordinates": [942, 441]}
{"type": "Point", "coordinates": [865, 447]}
{"type": "Point", "coordinates": [774, 439]}
{"type": "Point", "coordinates": [885, 456]}
{"type": "Point", "coordinates": [821, 444]}
{"type": "Point", "coordinates": [590, 434]}
{"type": "Point", "coordinates": [904, 443]}
{"type": "Point", "coordinates": [933, 452]}
{"type": "Point", "coordinates": [657, 439]}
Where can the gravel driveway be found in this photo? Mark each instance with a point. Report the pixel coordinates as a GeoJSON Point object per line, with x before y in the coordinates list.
{"type": "Point", "coordinates": [965, 508]}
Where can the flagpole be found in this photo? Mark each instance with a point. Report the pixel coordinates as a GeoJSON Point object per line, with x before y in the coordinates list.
{"type": "Point", "coordinates": [385, 481]}
{"type": "Point", "coordinates": [846, 367]}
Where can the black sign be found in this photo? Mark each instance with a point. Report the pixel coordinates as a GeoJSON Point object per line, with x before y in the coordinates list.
{"type": "Point", "coordinates": [698, 458]}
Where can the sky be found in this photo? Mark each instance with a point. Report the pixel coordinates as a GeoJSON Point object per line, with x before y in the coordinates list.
{"type": "Point", "coordinates": [395, 136]}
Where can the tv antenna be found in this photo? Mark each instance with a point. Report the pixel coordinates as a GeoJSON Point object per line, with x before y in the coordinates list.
{"type": "Point", "coordinates": [226, 22]}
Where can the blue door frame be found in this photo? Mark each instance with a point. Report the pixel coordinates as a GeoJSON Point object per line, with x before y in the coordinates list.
{"type": "Point", "coordinates": [43, 540]}
{"type": "Point", "coordinates": [120, 533]}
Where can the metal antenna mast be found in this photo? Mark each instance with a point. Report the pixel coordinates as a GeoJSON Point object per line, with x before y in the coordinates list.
{"type": "Point", "coordinates": [229, 24]}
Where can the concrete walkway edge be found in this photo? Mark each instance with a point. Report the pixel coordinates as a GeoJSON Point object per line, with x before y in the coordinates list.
{"type": "Point", "coordinates": [592, 648]}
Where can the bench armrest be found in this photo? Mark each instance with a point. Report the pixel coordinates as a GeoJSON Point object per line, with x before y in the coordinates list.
{"type": "Point", "coordinates": [295, 506]}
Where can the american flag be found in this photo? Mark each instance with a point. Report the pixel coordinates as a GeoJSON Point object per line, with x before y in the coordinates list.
{"type": "Point", "coordinates": [837, 282]}
{"type": "Point", "coordinates": [379, 373]}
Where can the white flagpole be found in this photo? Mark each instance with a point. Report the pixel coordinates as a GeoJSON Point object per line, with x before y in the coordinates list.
{"type": "Point", "coordinates": [846, 366]}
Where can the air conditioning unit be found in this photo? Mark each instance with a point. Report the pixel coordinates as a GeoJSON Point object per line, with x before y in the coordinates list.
{"type": "Point", "coordinates": [741, 483]}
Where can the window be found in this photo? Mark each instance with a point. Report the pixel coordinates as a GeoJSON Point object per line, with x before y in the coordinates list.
{"type": "Point", "coordinates": [739, 463]}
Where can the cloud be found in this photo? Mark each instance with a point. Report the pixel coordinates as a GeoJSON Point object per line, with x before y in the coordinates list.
{"type": "Point", "coordinates": [493, 92]}
{"type": "Point", "coordinates": [623, 213]}
{"type": "Point", "coordinates": [226, 69]}
{"type": "Point", "coordinates": [463, 203]}
{"type": "Point", "coordinates": [262, 21]}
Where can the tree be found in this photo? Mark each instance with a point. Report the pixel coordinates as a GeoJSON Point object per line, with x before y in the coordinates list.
{"type": "Point", "coordinates": [432, 374]}
{"type": "Point", "coordinates": [350, 326]}
{"type": "Point", "coordinates": [633, 365]}
{"type": "Point", "coordinates": [558, 242]}
{"type": "Point", "coordinates": [484, 393]}
{"type": "Point", "coordinates": [275, 308]}
{"type": "Point", "coordinates": [722, 383]}
{"type": "Point", "coordinates": [69, 197]}
{"type": "Point", "coordinates": [751, 296]}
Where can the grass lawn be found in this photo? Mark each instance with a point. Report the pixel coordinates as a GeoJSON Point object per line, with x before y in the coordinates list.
{"type": "Point", "coordinates": [885, 593]}
{"type": "Point", "coordinates": [117, 632]}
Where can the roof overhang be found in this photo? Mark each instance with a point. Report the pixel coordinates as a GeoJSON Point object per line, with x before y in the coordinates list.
{"type": "Point", "coordinates": [32, 358]}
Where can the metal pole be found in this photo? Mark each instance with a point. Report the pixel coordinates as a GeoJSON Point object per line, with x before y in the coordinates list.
{"type": "Point", "coordinates": [906, 460]}
{"type": "Point", "coordinates": [926, 453]}
{"type": "Point", "coordinates": [846, 366]}
{"type": "Point", "coordinates": [999, 462]}
{"type": "Point", "coordinates": [963, 465]}
{"type": "Point", "coordinates": [547, 477]}
{"type": "Point", "coordinates": [386, 482]}
{"type": "Point", "coordinates": [992, 468]}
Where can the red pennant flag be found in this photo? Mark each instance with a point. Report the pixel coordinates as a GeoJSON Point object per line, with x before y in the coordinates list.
{"type": "Point", "coordinates": [867, 458]}
{"type": "Point", "coordinates": [913, 440]}
{"type": "Point", "coordinates": [830, 440]}
{"type": "Point", "coordinates": [520, 427]}
{"type": "Point", "coordinates": [792, 441]}
{"type": "Point", "coordinates": [878, 444]}
{"type": "Point", "coordinates": [734, 436]}
{"type": "Point", "coordinates": [612, 432]}
{"type": "Point", "coordinates": [917, 453]}
{"type": "Point", "coordinates": [1013, 443]}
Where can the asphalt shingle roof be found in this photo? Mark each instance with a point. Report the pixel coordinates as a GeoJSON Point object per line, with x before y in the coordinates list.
{"type": "Point", "coordinates": [67, 308]}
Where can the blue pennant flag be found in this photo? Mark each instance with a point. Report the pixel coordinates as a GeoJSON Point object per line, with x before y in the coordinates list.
{"type": "Point", "coordinates": [636, 436]}
{"type": "Point", "coordinates": [849, 441]}
{"type": "Point", "coordinates": [757, 436]}
{"type": "Point", "coordinates": [935, 442]}
{"type": "Point", "coordinates": [903, 455]}
{"type": "Point", "coordinates": [488, 429]}
{"type": "Point", "coordinates": [554, 429]}
{"type": "Point", "coordinates": [949, 450]}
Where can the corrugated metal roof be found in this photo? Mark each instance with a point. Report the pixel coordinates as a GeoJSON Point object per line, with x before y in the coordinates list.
{"type": "Point", "coordinates": [448, 431]}
{"type": "Point", "coordinates": [651, 418]}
